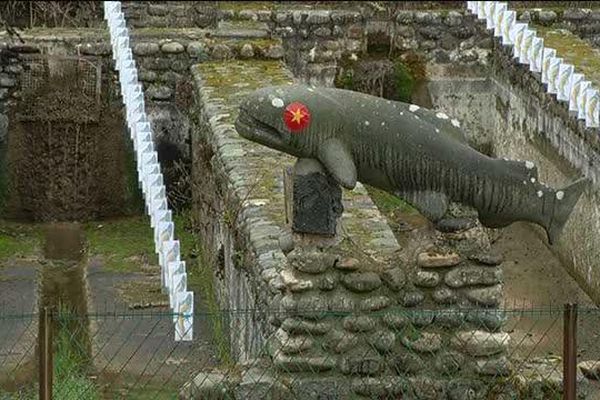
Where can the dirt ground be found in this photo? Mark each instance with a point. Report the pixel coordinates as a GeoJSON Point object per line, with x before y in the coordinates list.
{"type": "Point", "coordinates": [536, 279]}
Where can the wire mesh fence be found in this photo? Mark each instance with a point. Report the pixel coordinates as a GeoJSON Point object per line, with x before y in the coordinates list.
{"type": "Point", "coordinates": [407, 353]}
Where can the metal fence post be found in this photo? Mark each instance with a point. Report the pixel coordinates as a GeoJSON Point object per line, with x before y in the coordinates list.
{"type": "Point", "coordinates": [570, 352]}
{"type": "Point", "coordinates": [45, 356]}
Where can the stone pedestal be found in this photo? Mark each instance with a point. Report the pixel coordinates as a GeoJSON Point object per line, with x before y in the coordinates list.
{"type": "Point", "coordinates": [313, 199]}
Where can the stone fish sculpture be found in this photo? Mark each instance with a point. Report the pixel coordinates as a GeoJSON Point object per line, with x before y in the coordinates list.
{"type": "Point", "coordinates": [417, 154]}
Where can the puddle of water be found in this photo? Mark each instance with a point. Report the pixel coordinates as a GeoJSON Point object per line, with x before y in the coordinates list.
{"type": "Point", "coordinates": [64, 241]}
{"type": "Point", "coordinates": [62, 284]}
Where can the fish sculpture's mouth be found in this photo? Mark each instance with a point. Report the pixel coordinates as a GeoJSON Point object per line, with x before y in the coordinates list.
{"type": "Point", "coordinates": [254, 129]}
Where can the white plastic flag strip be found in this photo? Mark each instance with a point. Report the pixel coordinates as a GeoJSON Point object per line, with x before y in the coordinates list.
{"type": "Point", "coordinates": [546, 57]}
{"type": "Point", "coordinates": [154, 206]}
{"type": "Point", "coordinates": [169, 252]}
{"type": "Point", "coordinates": [173, 272]}
{"type": "Point", "coordinates": [576, 80]}
{"type": "Point", "coordinates": [498, 18]}
{"type": "Point", "coordinates": [510, 18]}
{"type": "Point", "coordinates": [184, 310]}
{"type": "Point", "coordinates": [517, 38]}
{"type": "Point", "coordinates": [553, 69]}
{"type": "Point", "coordinates": [563, 86]}
{"type": "Point", "coordinates": [527, 41]}
{"type": "Point", "coordinates": [163, 231]}
{"type": "Point", "coordinates": [535, 54]}
{"type": "Point", "coordinates": [559, 77]}
{"type": "Point", "coordinates": [490, 7]}
{"type": "Point", "coordinates": [173, 269]}
{"type": "Point", "coordinates": [582, 99]}
{"type": "Point", "coordinates": [178, 285]}
{"type": "Point", "coordinates": [591, 108]}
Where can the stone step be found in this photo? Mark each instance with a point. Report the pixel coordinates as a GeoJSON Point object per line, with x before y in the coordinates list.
{"type": "Point", "coordinates": [243, 29]}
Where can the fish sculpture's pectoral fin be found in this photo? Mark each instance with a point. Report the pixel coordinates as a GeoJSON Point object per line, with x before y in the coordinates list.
{"type": "Point", "coordinates": [336, 158]}
{"type": "Point", "coordinates": [433, 205]}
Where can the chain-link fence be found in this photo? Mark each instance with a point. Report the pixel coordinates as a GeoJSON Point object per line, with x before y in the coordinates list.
{"type": "Point", "coordinates": [534, 353]}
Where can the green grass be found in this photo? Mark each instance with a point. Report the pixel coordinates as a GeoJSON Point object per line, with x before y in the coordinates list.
{"type": "Point", "coordinates": [19, 240]}
{"type": "Point", "coordinates": [388, 203]}
{"type": "Point", "coordinates": [70, 380]}
{"type": "Point", "coordinates": [573, 50]}
{"type": "Point", "coordinates": [201, 280]}
{"type": "Point", "coordinates": [122, 243]}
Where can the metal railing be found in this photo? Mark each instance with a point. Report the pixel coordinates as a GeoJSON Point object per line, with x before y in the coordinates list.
{"type": "Point", "coordinates": [131, 354]}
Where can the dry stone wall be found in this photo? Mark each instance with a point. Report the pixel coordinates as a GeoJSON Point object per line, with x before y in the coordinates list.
{"type": "Point", "coordinates": [364, 312]}
{"type": "Point", "coordinates": [171, 14]}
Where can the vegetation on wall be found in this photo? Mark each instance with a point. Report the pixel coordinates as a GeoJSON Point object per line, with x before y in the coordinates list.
{"type": "Point", "coordinates": [52, 14]}
{"type": "Point", "coordinates": [392, 78]}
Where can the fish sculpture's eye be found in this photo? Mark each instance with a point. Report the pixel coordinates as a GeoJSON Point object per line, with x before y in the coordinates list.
{"type": "Point", "coordinates": [296, 117]}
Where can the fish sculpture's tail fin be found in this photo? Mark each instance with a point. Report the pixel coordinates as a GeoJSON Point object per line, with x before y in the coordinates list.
{"type": "Point", "coordinates": [563, 207]}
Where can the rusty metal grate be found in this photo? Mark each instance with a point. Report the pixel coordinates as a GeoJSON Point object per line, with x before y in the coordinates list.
{"type": "Point", "coordinates": [60, 88]}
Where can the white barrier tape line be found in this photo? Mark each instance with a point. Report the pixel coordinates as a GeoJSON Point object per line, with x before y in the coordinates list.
{"type": "Point", "coordinates": [134, 108]}
{"type": "Point", "coordinates": [135, 98]}
{"type": "Point", "coordinates": [592, 108]}
{"type": "Point", "coordinates": [145, 173]}
{"type": "Point", "coordinates": [148, 167]}
{"type": "Point", "coordinates": [498, 18]}
{"type": "Point", "coordinates": [560, 77]}
{"type": "Point", "coordinates": [526, 43]}
{"type": "Point", "coordinates": [157, 193]}
{"type": "Point", "coordinates": [169, 251]}
{"type": "Point", "coordinates": [183, 316]}
{"type": "Point", "coordinates": [546, 57]}
{"type": "Point", "coordinates": [553, 68]}
{"type": "Point", "coordinates": [152, 179]}
{"type": "Point", "coordinates": [140, 132]}
{"type": "Point", "coordinates": [563, 85]}
{"type": "Point", "coordinates": [118, 31]}
{"type": "Point", "coordinates": [489, 14]}
{"type": "Point", "coordinates": [163, 231]}
{"type": "Point", "coordinates": [510, 18]}
{"type": "Point", "coordinates": [149, 176]}
{"type": "Point", "coordinates": [576, 81]}
{"type": "Point", "coordinates": [156, 205]}
{"type": "Point", "coordinates": [134, 92]}
{"type": "Point", "coordinates": [125, 60]}
{"type": "Point", "coordinates": [176, 283]}
{"type": "Point", "coordinates": [174, 268]}
{"type": "Point", "coordinates": [535, 55]}
{"type": "Point", "coordinates": [145, 146]}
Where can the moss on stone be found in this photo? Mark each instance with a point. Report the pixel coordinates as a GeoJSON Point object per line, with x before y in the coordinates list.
{"type": "Point", "coordinates": [256, 43]}
{"type": "Point", "coordinates": [404, 80]}
{"type": "Point", "coordinates": [237, 6]}
{"type": "Point", "coordinates": [236, 78]}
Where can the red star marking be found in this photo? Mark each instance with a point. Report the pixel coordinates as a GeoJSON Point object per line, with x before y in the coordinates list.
{"type": "Point", "coordinates": [296, 117]}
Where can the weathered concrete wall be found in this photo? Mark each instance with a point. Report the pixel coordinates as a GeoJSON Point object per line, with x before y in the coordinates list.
{"type": "Point", "coordinates": [510, 114]}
